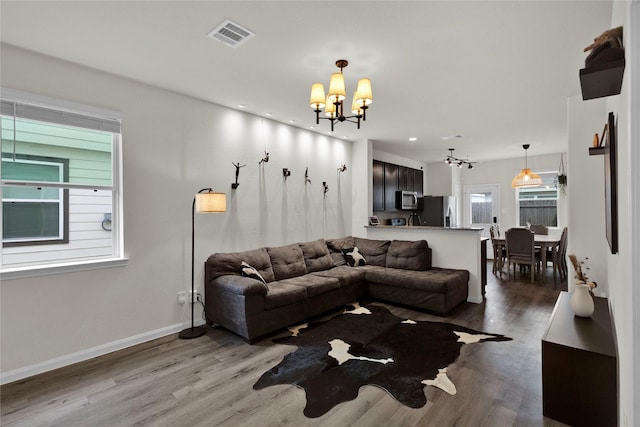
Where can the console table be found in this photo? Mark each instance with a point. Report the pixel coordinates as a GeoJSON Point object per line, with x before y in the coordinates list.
{"type": "Point", "coordinates": [579, 366]}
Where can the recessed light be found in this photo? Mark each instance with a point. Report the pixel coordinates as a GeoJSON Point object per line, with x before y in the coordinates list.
{"type": "Point", "coordinates": [413, 138]}
{"type": "Point", "coordinates": [268, 114]}
{"type": "Point", "coordinates": [292, 121]}
{"type": "Point", "coordinates": [446, 138]}
{"type": "Point", "coordinates": [241, 106]}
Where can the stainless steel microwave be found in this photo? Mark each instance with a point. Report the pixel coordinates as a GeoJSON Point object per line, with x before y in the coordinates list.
{"type": "Point", "coordinates": [407, 200]}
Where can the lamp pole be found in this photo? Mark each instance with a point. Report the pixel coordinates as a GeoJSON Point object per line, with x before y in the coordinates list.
{"type": "Point", "coordinates": [193, 332]}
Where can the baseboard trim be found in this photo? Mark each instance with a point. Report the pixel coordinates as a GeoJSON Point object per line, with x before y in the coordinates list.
{"type": "Point", "coordinates": [90, 353]}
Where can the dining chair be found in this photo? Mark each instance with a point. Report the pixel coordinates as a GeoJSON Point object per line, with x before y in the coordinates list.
{"type": "Point", "coordinates": [521, 250]}
{"type": "Point", "coordinates": [499, 252]}
{"type": "Point", "coordinates": [560, 260]}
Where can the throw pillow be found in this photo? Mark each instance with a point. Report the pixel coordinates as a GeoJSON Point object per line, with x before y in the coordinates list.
{"type": "Point", "coordinates": [247, 271]}
{"type": "Point", "coordinates": [353, 257]}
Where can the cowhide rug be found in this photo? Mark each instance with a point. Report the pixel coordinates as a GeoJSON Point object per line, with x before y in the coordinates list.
{"type": "Point", "coordinates": [369, 345]}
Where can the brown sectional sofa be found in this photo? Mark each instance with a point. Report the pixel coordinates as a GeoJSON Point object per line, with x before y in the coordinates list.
{"type": "Point", "coordinates": [307, 279]}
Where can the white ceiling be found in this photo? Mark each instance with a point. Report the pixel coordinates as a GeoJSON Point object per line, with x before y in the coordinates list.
{"type": "Point", "coordinates": [498, 73]}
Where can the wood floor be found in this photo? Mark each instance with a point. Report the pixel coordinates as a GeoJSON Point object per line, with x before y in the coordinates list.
{"type": "Point", "coordinates": [208, 381]}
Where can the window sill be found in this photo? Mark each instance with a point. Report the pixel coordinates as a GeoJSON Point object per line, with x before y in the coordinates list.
{"type": "Point", "coordinates": [46, 270]}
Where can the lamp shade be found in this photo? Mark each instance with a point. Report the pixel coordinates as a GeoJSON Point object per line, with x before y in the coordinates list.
{"type": "Point", "coordinates": [211, 202]}
{"type": "Point", "coordinates": [337, 91]}
{"type": "Point", "coordinates": [317, 96]}
{"type": "Point", "coordinates": [330, 109]}
{"type": "Point", "coordinates": [364, 95]}
{"type": "Point", "coordinates": [526, 179]}
{"type": "Point", "coordinates": [355, 107]}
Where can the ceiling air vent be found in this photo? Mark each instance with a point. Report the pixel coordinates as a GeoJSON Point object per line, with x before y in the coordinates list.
{"type": "Point", "coordinates": [231, 33]}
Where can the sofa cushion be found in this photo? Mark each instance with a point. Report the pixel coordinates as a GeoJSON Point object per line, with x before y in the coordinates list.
{"type": "Point", "coordinates": [346, 275]}
{"type": "Point", "coordinates": [314, 285]}
{"type": "Point", "coordinates": [353, 257]}
{"type": "Point", "coordinates": [222, 264]}
{"type": "Point", "coordinates": [316, 255]}
{"type": "Point", "coordinates": [409, 255]}
{"type": "Point", "coordinates": [335, 249]}
{"type": "Point", "coordinates": [248, 271]}
{"type": "Point", "coordinates": [283, 294]}
{"type": "Point", "coordinates": [287, 261]}
{"type": "Point", "coordinates": [374, 251]}
{"type": "Point", "coordinates": [436, 280]}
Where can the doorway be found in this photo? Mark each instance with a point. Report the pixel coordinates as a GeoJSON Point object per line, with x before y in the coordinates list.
{"type": "Point", "coordinates": [481, 206]}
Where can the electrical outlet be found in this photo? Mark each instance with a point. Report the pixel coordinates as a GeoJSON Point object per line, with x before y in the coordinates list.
{"type": "Point", "coordinates": [193, 297]}
{"type": "Point", "coordinates": [182, 297]}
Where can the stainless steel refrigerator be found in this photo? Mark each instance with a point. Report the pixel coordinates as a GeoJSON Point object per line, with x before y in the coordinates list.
{"type": "Point", "coordinates": [439, 211]}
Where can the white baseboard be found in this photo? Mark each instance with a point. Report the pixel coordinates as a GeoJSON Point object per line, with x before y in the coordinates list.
{"type": "Point", "coordinates": [70, 359]}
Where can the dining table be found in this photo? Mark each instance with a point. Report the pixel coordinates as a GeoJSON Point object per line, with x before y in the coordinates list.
{"type": "Point", "coordinates": [544, 242]}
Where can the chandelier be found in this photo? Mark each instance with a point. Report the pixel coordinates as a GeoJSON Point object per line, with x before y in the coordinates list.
{"type": "Point", "coordinates": [526, 178]}
{"type": "Point", "coordinates": [451, 160]}
{"type": "Point", "coordinates": [334, 101]}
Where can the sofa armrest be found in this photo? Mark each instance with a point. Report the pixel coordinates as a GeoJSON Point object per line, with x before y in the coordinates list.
{"type": "Point", "coordinates": [240, 285]}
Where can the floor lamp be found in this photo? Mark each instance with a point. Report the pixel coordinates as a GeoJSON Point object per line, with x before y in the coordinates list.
{"type": "Point", "coordinates": [205, 201]}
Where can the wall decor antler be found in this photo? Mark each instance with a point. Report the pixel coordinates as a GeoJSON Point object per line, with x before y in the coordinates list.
{"type": "Point", "coordinates": [307, 180]}
{"type": "Point", "coordinates": [286, 173]}
{"type": "Point", "coordinates": [342, 168]}
{"type": "Point", "coordinates": [325, 187]}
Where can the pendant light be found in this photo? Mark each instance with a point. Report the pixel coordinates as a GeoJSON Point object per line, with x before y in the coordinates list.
{"type": "Point", "coordinates": [526, 178]}
{"type": "Point", "coordinates": [335, 100]}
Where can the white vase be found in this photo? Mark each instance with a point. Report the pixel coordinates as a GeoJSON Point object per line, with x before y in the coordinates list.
{"type": "Point", "coordinates": [581, 300]}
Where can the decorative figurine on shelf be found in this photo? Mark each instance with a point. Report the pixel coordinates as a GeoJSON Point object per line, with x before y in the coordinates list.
{"type": "Point", "coordinates": [607, 47]}
{"type": "Point", "coordinates": [265, 159]}
{"type": "Point", "coordinates": [325, 187]}
{"type": "Point", "coordinates": [286, 173]}
{"type": "Point", "coordinates": [342, 168]}
{"type": "Point", "coordinates": [238, 166]}
{"type": "Point", "coordinates": [307, 180]}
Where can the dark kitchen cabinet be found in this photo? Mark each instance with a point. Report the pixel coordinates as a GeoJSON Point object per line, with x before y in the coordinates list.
{"type": "Point", "coordinates": [389, 178]}
{"type": "Point", "coordinates": [403, 178]}
{"type": "Point", "coordinates": [418, 182]}
{"type": "Point", "coordinates": [378, 185]}
{"type": "Point", "coordinates": [391, 172]}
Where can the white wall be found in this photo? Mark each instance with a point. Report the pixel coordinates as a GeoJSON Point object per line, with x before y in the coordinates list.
{"type": "Point", "coordinates": [587, 238]}
{"type": "Point", "coordinates": [501, 172]}
{"type": "Point", "coordinates": [438, 179]}
{"type": "Point", "coordinates": [173, 146]}
{"type": "Point", "coordinates": [623, 284]}
{"type": "Point", "coordinates": [362, 192]}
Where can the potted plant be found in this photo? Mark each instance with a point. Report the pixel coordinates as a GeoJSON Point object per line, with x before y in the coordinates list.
{"type": "Point", "coordinates": [561, 180]}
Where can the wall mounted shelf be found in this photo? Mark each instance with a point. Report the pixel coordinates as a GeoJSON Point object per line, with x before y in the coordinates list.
{"type": "Point", "coordinates": [596, 151]}
{"type": "Point", "coordinates": [602, 79]}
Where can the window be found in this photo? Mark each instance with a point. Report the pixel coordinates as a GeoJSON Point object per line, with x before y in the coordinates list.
{"type": "Point", "coordinates": [539, 205]}
{"type": "Point", "coordinates": [60, 192]}
{"type": "Point", "coordinates": [31, 215]}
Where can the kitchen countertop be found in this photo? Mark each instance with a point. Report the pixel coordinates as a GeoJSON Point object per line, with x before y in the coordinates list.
{"type": "Point", "coordinates": [423, 227]}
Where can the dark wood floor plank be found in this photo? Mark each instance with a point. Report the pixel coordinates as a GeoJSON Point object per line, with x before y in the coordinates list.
{"type": "Point", "coordinates": [208, 381]}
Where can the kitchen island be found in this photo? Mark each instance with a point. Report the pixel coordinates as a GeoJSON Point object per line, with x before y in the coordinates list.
{"type": "Point", "coordinates": [458, 248]}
